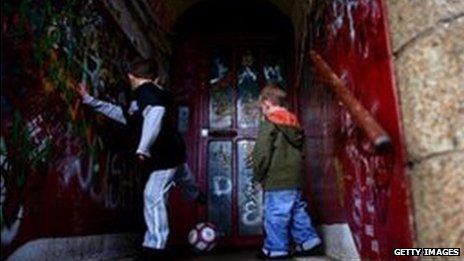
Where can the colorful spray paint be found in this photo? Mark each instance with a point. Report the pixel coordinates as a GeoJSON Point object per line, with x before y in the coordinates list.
{"type": "Point", "coordinates": [63, 170]}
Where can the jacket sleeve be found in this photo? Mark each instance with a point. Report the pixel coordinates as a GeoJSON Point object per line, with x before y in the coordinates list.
{"type": "Point", "coordinates": [263, 150]}
{"type": "Point", "coordinates": [110, 110]}
{"type": "Point", "coordinates": [152, 119]}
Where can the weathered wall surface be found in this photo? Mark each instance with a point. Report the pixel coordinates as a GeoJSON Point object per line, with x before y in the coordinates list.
{"type": "Point", "coordinates": [64, 170]}
{"type": "Point", "coordinates": [352, 37]}
{"type": "Point", "coordinates": [428, 46]}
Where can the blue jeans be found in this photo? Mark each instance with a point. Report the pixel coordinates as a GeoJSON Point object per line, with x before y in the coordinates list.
{"type": "Point", "coordinates": [285, 217]}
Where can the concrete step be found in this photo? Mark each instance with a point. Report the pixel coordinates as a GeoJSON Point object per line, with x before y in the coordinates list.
{"type": "Point", "coordinates": [239, 255]}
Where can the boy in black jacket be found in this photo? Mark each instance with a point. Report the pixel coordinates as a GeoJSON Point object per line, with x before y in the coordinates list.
{"type": "Point", "coordinates": [160, 149]}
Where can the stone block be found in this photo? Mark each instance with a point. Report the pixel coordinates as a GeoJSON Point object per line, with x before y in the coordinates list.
{"type": "Point", "coordinates": [408, 18]}
{"type": "Point", "coordinates": [437, 185]}
{"type": "Point", "coordinates": [431, 84]}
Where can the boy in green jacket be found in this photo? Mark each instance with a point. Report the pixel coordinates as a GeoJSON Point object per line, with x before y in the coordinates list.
{"type": "Point", "coordinates": [278, 167]}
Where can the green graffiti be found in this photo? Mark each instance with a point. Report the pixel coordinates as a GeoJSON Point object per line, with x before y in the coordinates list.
{"type": "Point", "coordinates": [69, 43]}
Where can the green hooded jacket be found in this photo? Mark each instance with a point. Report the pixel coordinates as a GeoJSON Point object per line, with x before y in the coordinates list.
{"type": "Point", "coordinates": [278, 157]}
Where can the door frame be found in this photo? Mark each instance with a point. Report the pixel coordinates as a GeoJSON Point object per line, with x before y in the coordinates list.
{"type": "Point", "coordinates": [238, 41]}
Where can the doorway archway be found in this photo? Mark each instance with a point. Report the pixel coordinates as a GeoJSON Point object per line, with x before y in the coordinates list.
{"type": "Point", "coordinates": [348, 40]}
{"type": "Point", "coordinates": [225, 52]}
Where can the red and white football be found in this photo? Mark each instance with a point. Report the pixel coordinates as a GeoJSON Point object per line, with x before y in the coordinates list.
{"type": "Point", "coordinates": [203, 237]}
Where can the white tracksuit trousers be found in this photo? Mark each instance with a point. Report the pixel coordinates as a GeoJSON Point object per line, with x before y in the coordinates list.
{"type": "Point", "coordinates": [155, 198]}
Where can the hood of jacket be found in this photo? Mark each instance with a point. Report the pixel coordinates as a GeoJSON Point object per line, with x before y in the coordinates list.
{"type": "Point", "coordinates": [287, 123]}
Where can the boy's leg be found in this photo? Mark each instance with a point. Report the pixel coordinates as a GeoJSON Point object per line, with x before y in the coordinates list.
{"type": "Point", "coordinates": [278, 207]}
{"type": "Point", "coordinates": [155, 212]}
{"type": "Point", "coordinates": [301, 228]}
{"type": "Point", "coordinates": [184, 178]}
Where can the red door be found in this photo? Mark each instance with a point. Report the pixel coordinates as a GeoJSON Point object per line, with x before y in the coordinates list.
{"type": "Point", "coordinates": [218, 85]}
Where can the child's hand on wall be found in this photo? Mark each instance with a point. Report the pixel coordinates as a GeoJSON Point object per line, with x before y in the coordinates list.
{"type": "Point", "coordinates": [82, 89]}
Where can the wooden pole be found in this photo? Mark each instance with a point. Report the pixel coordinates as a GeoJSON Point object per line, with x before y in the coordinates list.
{"type": "Point", "coordinates": [377, 135]}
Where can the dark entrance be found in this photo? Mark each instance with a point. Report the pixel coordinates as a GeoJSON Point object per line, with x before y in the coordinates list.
{"type": "Point", "coordinates": [226, 52]}
{"type": "Point", "coordinates": [357, 194]}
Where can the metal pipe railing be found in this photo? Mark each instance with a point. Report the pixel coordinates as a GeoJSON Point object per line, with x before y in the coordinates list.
{"type": "Point", "coordinates": [361, 116]}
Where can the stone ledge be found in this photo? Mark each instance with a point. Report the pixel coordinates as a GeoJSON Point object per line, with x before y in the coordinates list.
{"type": "Point", "coordinates": [339, 242]}
{"type": "Point", "coordinates": [95, 247]}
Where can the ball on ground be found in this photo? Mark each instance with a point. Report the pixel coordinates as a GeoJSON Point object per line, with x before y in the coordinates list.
{"type": "Point", "coordinates": [203, 237]}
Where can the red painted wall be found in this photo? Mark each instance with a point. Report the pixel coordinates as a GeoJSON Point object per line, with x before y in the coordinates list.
{"type": "Point", "coordinates": [63, 169]}
{"type": "Point", "coordinates": [74, 190]}
{"type": "Point", "coordinates": [354, 184]}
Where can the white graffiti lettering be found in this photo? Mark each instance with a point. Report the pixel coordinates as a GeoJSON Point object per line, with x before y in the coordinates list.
{"type": "Point", "coordinates": [247, 74]}
{"type": "Point", "coordinates": [273, 74]}
{"type": "Point", "coordinates": [252, 207]}
{"type": "Point", "coordinates": [222, 185]}
{"type": "Point", "coordinates": [9, 233]}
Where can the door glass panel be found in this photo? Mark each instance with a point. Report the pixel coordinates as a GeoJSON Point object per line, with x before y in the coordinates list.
{"type": "Point", "coordinates": [273, 70]}
{"type": "Point", "coordinates": [248, 91]}
{"type": "Point", "coordinates": [220, 185]}
{"type": "Point", "coordinates": [249, 199]}
{"type": "Point", "coordinates": [221, 103]}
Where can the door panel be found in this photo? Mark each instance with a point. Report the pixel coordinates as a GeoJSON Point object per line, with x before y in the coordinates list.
{"type": "Point", "coordinates": [221, 92]}
{"type": "Point", "coordinates": [248, 90]}
{"type": "Point", "coordinates": [235, 206]}
{"type": "Point", "coordinates": [221, 107]}
{"type": "Point", "coordinates": [220, 185]}
{"type": "Point", "coordinates": [274, 68]}
{"type": "Point", "coordinates": [228, 75]}
{"type": "Point", "coordinates": [250, 212]}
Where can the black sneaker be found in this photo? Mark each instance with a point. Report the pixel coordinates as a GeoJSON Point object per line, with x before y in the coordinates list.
{"type": "Point", "coordinates": [260, 255]}
{"type": "Point", "coordinates": [149, 254]}
{"type": "Point", "coordinates": [317, 250]}
{"type": "Point", "coordinates": [143, 254]}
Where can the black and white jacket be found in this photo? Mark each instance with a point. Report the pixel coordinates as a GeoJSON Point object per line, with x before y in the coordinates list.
{"type": "Point", "coordinates": [159, 140]}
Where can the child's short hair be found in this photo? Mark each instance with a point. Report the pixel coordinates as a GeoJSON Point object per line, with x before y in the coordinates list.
{"type": "Point", "coordinates": [144, 68]}
{"type": "Point", "coordinates": [274, 94]}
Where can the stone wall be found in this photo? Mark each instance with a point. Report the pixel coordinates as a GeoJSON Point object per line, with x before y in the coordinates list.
{"type": "Point", "coordinates": [428, 47]}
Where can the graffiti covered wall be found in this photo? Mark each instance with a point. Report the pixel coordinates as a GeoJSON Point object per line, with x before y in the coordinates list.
{"type": "Point", "coordinates": [64, 172]}
{"type": "Point", "coordinates": [371, 188]}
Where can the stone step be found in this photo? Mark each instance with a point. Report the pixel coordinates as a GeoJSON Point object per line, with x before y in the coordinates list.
{"type": "Point", "coordinates": [242, 256]}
